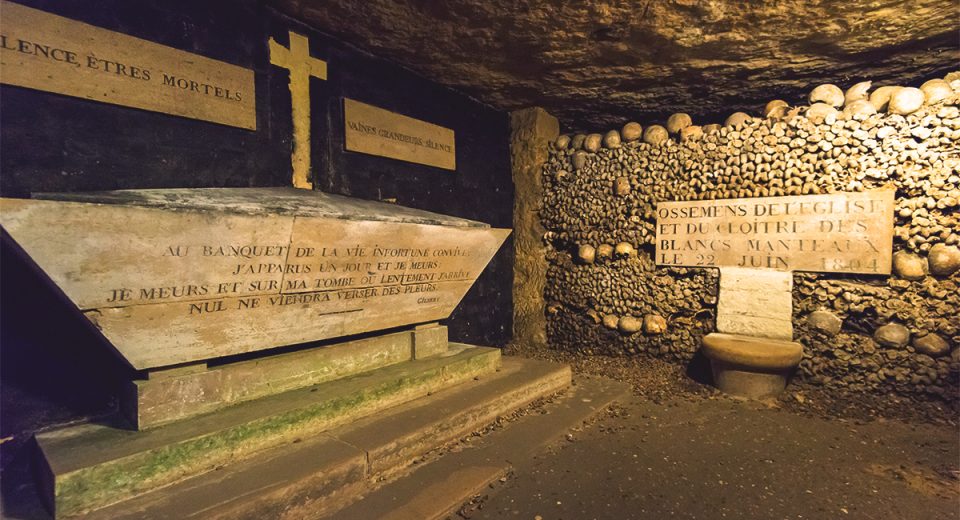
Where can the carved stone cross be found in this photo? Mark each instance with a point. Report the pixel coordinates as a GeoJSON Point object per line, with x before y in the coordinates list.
{"type": "Point", "coordinates": [302, 66]}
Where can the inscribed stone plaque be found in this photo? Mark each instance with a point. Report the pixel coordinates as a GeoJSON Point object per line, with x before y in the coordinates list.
{"type": "Point", "coordinates": [173, 276]}
{"type": "Point", "coordinates": [46, 52]}
{"type": "Point", "coordinates": [839, 233]}
{"type": "Point", "coordinates": [755, 302]}
{"type": "Point", "coordinates": [375, 131]}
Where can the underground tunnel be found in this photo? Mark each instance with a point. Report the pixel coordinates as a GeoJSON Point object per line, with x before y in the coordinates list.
{"type": "Point", "coordinates": [479, 260]}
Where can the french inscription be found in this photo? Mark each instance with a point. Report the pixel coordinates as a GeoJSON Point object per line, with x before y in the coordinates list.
{"type": "Point", "coordinates": [46, 52]}
{"type": "Point", "coordinates": [172, 287]}
{"type": "Point", "coordinates": [372, 130]}
{"type": "Point", "coordinates": [840, 233]}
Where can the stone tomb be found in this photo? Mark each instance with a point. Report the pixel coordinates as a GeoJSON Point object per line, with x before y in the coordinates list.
{"type": "Point", "coordinates": [757, 244]}
{"type": "Point", "coordinates": [181, 276]}
{"type": "Point", "coordinates": [180, 280]}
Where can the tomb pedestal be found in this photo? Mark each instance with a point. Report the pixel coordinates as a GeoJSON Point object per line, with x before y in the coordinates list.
{"type": "Point", "coordinates": [260, 321]}
{"type": "Point", "coordinates": [752, 356]}
{"type": "Point", "coordinates": [88, 467]}
{"type": "Point", "coordinates": [168, 395]}
{"type": "Point", "coordinates": [751, 367]}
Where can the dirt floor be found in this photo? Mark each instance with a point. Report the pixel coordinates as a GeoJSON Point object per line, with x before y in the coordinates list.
{"type": "Point", "coordinates": [679, 449]}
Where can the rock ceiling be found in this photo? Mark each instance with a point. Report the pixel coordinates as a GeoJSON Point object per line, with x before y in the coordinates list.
{"type": "Point", "coordinates": [596, 64]}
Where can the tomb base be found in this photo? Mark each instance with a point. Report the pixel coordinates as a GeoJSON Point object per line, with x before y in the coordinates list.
{"type": "Point", "coordinates": [89, 467]}
{"type": "Point", "coordinates": [172, 394]}
{"type": "Point", "coordinates": [318, 477]}
{"type": "Point", "coordinates": [751, 367]}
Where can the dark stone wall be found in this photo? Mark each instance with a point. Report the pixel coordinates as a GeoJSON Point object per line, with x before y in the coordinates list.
{"type": "Point", "coordinates": [56, 370]}
{"type": "Point", "coordinates": [58, 143]}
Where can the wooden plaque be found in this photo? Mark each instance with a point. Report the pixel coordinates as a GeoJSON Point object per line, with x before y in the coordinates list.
{"type": "Point", "coordinates": [375, 131]}
{"type": "Point", "coordinates": [46, 52]}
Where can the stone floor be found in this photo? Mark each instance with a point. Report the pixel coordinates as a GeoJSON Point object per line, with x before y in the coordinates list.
{"type": "Point", "coordinates": [676, 448]}
{"type": "Point", "coordinates": [719, 458]}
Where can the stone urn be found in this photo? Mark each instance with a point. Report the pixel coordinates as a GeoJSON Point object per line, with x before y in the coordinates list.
{"type": "Point", "coordinates": [751, 367]}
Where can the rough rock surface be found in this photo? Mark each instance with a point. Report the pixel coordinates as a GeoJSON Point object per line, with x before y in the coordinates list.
{"type": "Point", "coordinates": [602, 63]}
{"type": "Point", "coordinates": [531, 132]}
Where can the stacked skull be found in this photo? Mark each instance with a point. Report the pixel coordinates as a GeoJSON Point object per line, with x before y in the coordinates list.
{"type": "Point", "coordinates": [601, 190]}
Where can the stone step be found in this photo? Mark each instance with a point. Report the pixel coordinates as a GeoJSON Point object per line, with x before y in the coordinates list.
{"type": "Point", "coordinates": [323, 473]}
{"type": "Point", "coordinates": [170, 395]}
{"type": "Point", "coordinates": [87, 467]}
{"type": "Point", "coordinates": [441, 487]}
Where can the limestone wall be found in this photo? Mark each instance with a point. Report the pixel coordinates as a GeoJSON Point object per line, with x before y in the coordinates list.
{"type": "Point", "coordinates": [864, 332]}
{"type": "Point", "coordinates": [531, 133]}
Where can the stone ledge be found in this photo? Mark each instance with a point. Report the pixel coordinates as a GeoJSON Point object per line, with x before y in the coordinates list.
{"type": "Point", "coordinates": [437, 489]}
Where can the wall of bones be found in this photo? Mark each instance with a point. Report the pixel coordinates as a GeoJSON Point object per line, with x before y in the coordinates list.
{"type": "Point", "coordinates": [864, 332]}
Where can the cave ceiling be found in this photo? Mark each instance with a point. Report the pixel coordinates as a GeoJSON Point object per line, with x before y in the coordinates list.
{"type": "Point", "coordinates": [598, 64]}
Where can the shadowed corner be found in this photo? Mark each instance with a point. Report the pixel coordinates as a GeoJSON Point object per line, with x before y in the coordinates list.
{"type": "Point", "coordinates": [54, 370]}
{"type": "Point", "coordinates": [698, 369]}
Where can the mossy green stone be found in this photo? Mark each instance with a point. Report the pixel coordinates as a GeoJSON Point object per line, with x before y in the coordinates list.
{"type": "Point", "coordinates": [169, 453]}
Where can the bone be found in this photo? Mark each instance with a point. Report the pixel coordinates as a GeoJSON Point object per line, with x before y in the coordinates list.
{"type": "Point", "coordinates": [736, 119]}
{"type": "Point", "coordinates": [775, 109]}
{"type": "Point", "coordinates": [678, 122]}
{"type": "Point", "coordinates": [631, 132]}
{"type": "Point", "coordinates": [655, 135]}
{"type": "Point", "coordinates": [599, 215]}
{"type": "Point", "coordinates": [858, 92]}
{"type": "Point", "coordinates": [828, 94]}
{"type": "Point", "coordinates": [905, 101]}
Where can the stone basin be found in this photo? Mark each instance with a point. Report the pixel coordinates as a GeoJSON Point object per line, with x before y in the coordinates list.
{"type": "Point", "coordinates": [751, 367]}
